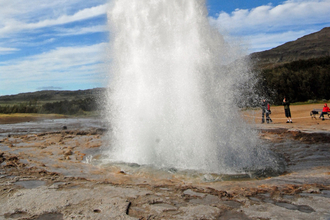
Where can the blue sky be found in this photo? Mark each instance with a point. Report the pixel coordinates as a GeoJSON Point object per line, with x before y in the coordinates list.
{"type": "Point", "coordinates": [47, 44]}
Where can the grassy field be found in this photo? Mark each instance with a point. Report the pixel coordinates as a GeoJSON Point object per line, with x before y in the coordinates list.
{"type": "Point", "coordinates": [26, 117]}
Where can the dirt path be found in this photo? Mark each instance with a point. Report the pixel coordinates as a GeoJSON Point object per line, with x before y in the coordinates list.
{"type": "Point", "coordinates": [300, 116]}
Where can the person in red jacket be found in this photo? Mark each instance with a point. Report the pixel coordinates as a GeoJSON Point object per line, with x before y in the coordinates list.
{"type": "Point", "coordinates": [268, 112]}
{"type": "Point", "coordinates": [325, 110]}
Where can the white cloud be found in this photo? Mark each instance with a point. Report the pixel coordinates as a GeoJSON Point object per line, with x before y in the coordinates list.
{"type": "Point", "coordinates": [269, 18]}
{"type": "Point", "coordinates": [36, 10]}
{"type": "Point", "coordinates": [49, 88]}
{"type": "Point", "coordinates": [267, 26]}
{"type": "Point", "coordinates": [7, 50]}
{"type": "Point", "coordinates": [81, 30]}
{"type": "Point", "coordinates": [265, 41]}
{"type": "Point", "coordinates": [62, 67]}
{"type": "Point", "coordinates": [11, 25]}
{"type": "Point", "coordinates": [33, 43]}
{"type": "Point", "coordinates": [64, 19]}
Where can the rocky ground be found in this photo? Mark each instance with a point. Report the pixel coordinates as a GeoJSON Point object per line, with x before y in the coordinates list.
{"type": "Point", "coordinates": [48, 175]}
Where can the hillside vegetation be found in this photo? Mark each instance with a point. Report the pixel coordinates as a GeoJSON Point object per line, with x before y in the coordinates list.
{"type": "Point", "coordinates": [54, 102]}
{"type": "Point", "coordinates": [299, 81]}
{"type": "Point", "coordinates": [52, 95]}
{"type": "Point", "coordinates": [299, 70]}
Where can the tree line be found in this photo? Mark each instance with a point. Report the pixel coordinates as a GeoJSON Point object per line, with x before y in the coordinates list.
{"type": "Point", "coordinates": [299, 81]}
{"type": "Point", "coordinates": [73, 107]}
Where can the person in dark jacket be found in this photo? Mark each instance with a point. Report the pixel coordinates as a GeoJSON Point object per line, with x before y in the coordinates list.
{"type": "Point", "coordinates": [287, 111]}
{"type": "Point", "coordinates": [264, 110]}
{"type": "Point", "coordinates": [325, 110]}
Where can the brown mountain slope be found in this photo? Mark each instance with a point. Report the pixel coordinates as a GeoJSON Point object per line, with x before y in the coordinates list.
{"type": "Point", "coordinates": [310, 46]}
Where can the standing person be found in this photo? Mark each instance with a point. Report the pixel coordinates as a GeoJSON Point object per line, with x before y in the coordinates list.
{"type": "Point", "coordinates": [264, 110]}
{"type": "Point", "coordinates": [325, 110]}
{"type": "Point", "coordinates": [268, 112]}
{"type": "Point", "coordinates": [287, 111]}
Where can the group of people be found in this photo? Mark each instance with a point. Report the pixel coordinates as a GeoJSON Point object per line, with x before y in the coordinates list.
{"type": "Point", "coordinates": [265, 106]}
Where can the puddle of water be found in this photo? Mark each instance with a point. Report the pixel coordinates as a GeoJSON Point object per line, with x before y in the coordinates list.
{"type": "Point", "coordinates": [287, 205]}
{"type": "Point", "coordinates": [232, 215]}
{"type": "Point", "coordinates": [255, 199]}
{"type": "Point", "coordinates": [269, 200]}
{"type": "Point", "coordinates": [91, 154]}
{"type": "Point", "coordinates": [168, 173]}
{"type": "Point", "coordinates": [289, 197]}
{"type": "Point", "coordinates": [19, 150]}
{"type": "Point", "coordinates": [59, 183]}
{"type": "Point", "coordinates": [18, 214]}
{"type": "Point", "coordinates": [192, 193]}
{"type": "Point", "coordinates": [301, 208]}
{"type": "Point", "coordinates": [24, 161]}
{"type": "Point", "coordinates": [50, 125]}
{"type": "Point", "coordinates": [4, 147]}
{"type": "Point", "coordinates": [324, 193]}
{"type": "Point", "coordinates": [31, 184]}
{"type": "Point", "coordinates": [209, 199]}
{"type": "Point", "coordinates": [232, 204]}
{"type": "Point", "coordinates": [11, 177]}
{"type": "Point", "coordinates": [50, 216]}
{"type": "Point", "coordinates": [306, 209]}
{"type": "Point", "coordinates": [266, 195]}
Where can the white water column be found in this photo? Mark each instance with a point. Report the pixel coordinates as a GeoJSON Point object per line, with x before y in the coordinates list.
{"type": "Point", "coordinates": [172, 94]}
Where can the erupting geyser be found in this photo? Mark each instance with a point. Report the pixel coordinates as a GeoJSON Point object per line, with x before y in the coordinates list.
{"type": "Point", "coordinates": [173, 86]}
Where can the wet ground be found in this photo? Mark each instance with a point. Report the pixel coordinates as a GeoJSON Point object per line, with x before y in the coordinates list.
{"type": "Point", "coordinates": [48, 170]}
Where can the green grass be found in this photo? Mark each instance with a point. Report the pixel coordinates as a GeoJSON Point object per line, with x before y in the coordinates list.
{"type": "Point", "coordinates": [37, 115]}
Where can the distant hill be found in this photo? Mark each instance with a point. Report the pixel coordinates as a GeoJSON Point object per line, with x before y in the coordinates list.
{"type": "Point", "coordinates": [80, 102]}
{"type": "Point", "coordinates": [299, 70]}
{"type": "Point", "coordinates": [314, 45]}
{"type": "Point", "coordinates": [53, 95]}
